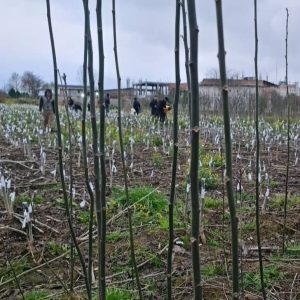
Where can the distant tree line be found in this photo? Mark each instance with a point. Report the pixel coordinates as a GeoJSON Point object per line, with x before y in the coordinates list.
{"type": "Point", "coordinates": [26, 85]}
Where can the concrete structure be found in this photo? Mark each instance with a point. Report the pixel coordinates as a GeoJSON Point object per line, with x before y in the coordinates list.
{"type": "Point", "coordinates": [241, 92]}
{"type": "Point", "coordinates": [149, 89]}
{"type": "Point", "coordinates": [293, 89]}
{"type": "Point", "coordinates": [145, 89]}
{"type": "Point", "coordinates": [245, 86]}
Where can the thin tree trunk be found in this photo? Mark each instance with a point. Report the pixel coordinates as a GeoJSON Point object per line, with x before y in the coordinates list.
{"type": "Point", "coordinates": [60, 156]}
{"type": "Point", "coordinates": [70, 131]}
{"type": "Point", "coordinates": [194, 164]}
{"type": "Point", "coordinates": [102, 149]}
{"type": "Point", "coordinates": [85, 152]}
{"type": "Point", "coordinates": [94, 136]}
{"type": "Point", "coordinates": [186, 51]}
{"type": "Point", "coordinates": [175, 150]}
{"type": "Point", "coordinates": [257, 185]}
{"type": "Point", "coordinates": [228, 178]}
{"type": "Point", "coordinates": [122, 155]}
{"type": "Point", "coordinates": [288, 132]}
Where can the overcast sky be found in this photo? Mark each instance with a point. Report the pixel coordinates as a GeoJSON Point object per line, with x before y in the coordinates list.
{"type": "Point", "coordinates": [145, 33]}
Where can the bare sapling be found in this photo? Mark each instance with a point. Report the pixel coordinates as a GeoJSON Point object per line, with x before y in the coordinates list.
{"type": "Point", "coordinates": [85, 153]}
{"type": "Point", "coordinates": [228, 155]}
{"type": "Point", "coordinates": [194, 162]}
{"type": "Point", "coordinates": [101, 150]}
{"type": "Point", "coordinates": [175, 151]}
{"type": "Point", "coordinates": [124, 166]}
{"type": "Point", "coordinates": [257, 181]}
{"type": "Point", "coordinates": [60, 154]}
{"type": "Point", "coordinates": [288, 132]}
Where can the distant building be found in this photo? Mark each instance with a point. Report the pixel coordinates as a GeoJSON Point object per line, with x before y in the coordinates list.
{"type": "Point", "coordinates": [245, 86]}
{"type": "Point", "coordinates": [293, 89]}
{"type": "Point", "coordinates": [149, 89]}
{"type": "Point", "coordinates": [183, 87]}
{"type": "Point", "coordinates": [241, 92]}
{"type": "Point", "coordinates": [72, 90]}
{"type": "Point", "coordinates": [145, 89]}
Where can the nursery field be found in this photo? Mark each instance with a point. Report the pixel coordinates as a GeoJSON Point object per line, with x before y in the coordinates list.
{"type": "Point", "coordinates": [35, 246]}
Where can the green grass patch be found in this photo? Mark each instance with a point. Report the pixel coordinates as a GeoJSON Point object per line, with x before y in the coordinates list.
{"type": "Point", "coordinates": [212, 203]}
{"type": "Point", "coordinates": [213, 243]}
{"type": "Point", "coordinates": [145, 199]}
{"type": "Point", "coordinates": [19, 265]}
{"type": "Point", "coordinates": [143, 253]}
{"type": "Point", "coordinates": [117, 294]}
{"type": "Point", "coordinates": [251, 226]}
{"type": "Point", "coordinates": [293, 249]}
{"type": "Point", "coordinates": [211, 178]}
{"type": "Point", "coordinates": [36, 295]}
{"type": "Point", "coordinates": [38, 199]}
{"type": "Point", "coordinates": [215, 269]}
{"type": "Point", "coordinates": [57, 249]}
{"type": "Point", "coordinates": [157, 160]}
{"type": "Point", "coordinates": [157, 141]}
{"type": "Point", "coordinates": [22, 198]}
{"type": "Point", "coordinates": [271, 274]}
{"type": "Point", "coordinates": [278, 201]}
{"type": "Point", "coordinates": [116, 236]}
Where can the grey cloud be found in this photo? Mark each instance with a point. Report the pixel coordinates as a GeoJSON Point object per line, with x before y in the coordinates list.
{"type": "Point", "coordinates": [146, 38]}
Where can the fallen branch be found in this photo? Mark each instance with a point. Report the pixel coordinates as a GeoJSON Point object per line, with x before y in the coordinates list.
{"type": "Point", "coordinates": [21, 163]}
{"type": "Point", "coordinates": [287, 227]}
{"type": "Point", "coordinates": [45, 225]}
{"type": "Point", "coordinates": [143, 277]}
{"type": "Point", "coordinates": [13, 229]}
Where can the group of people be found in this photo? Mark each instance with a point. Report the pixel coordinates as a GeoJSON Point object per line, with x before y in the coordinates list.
{"type": "Point", "coordinates": [159, 108]}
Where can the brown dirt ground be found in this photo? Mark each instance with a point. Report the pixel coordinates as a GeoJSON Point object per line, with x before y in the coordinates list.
{"type": "Point", "coordinates": [216, 251]}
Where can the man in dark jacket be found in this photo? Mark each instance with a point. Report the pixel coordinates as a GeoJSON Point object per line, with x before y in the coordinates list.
{"type": "Point", "coordinates": [47, 108]}
{"type": "Point", "coordinates": [107, 103]}
{"type": "Point", "coordinates": [163, 108]}
{"type": "Point", "coordinates": [136, 106]}
{"type": "Point", "coordinates": [154, 107]}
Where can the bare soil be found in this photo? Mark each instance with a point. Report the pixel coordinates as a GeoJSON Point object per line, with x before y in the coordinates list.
{"type": "Point", "coordinates": [45, 262]}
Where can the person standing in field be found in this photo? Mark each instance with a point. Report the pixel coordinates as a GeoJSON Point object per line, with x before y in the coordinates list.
{"type": "Point", "coordinates": [154, 107]}
{"type": "Point", "coordinates": [47, 108]}
{"type": "Point", "coordinates": [106, 104]}
{"type": "Point", "coordinates": [136, 106]}
{"type": "Point", "coordinates": [163, 108]}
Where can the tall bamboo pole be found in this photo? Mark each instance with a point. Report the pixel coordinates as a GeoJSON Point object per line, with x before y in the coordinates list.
{"type": "Point", "coordinates": [257, 183]}
{"type": "Point", "coordinates": [94, 134]}
{"type": "Point", "coordinates": [175, 150]}
{"type": "Point", "coordinates": [228, 178]}
{"type": "Point", "coordinates": [288, 131]}
{"type": "Point", "coordinates": [194, 165]}
{"type": "Point", "coordinates": [70, 132]}
{"type": "Point", "coordinates": [132, 251]}
{"type": "Point", "coordinates": [60, 156]}
{"type": "Point", "coordinates": [84, 145]}
{"type": "Point", "coordinates": [186, 51]}
{"type": "Point", "coordinates": [101, 148]}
